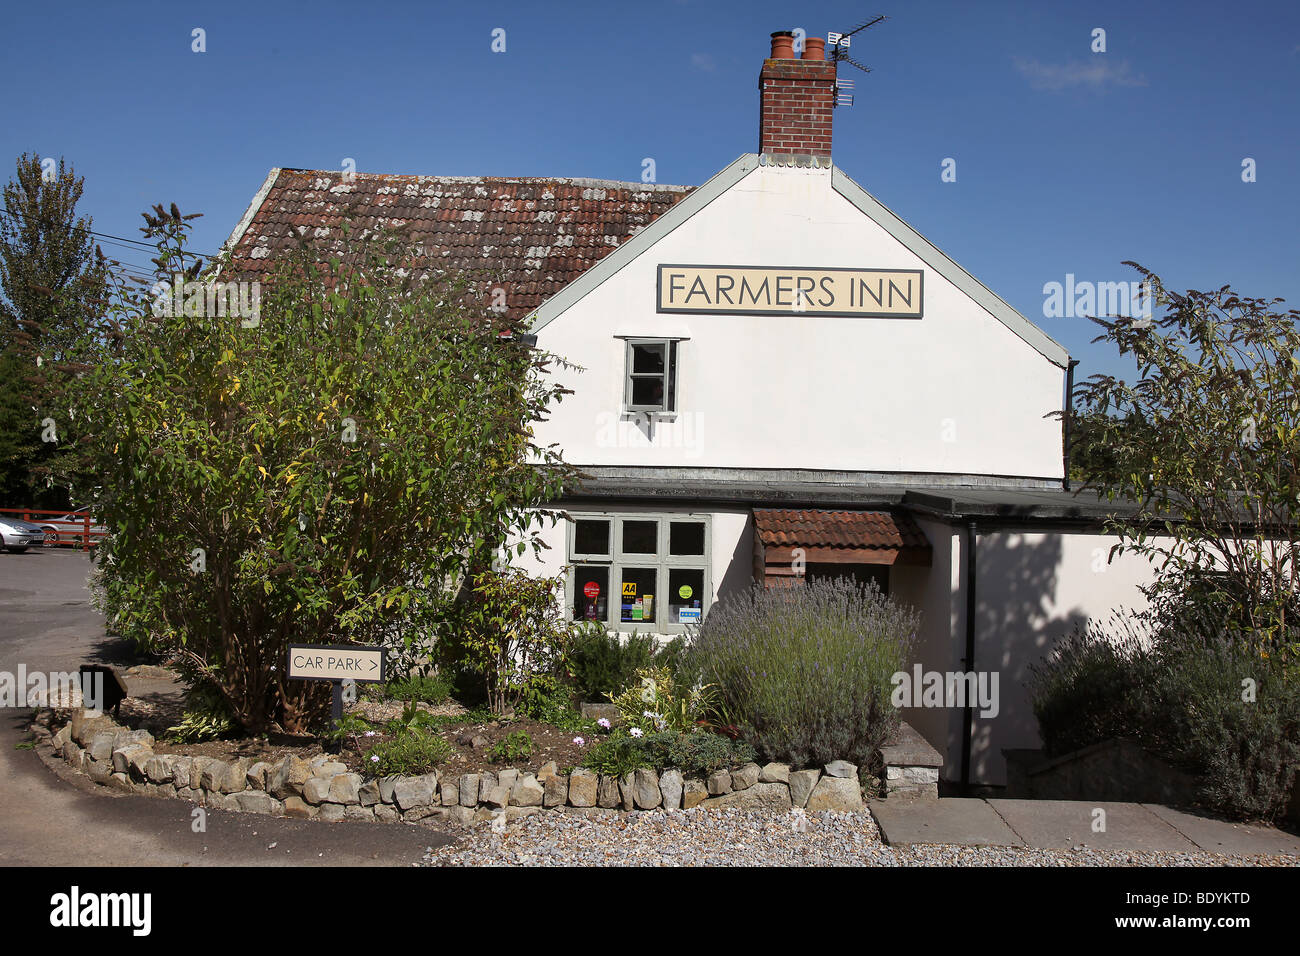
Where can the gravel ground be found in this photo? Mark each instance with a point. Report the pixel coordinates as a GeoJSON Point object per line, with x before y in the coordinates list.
{"type": "Point", "coordinates": [748, 838]}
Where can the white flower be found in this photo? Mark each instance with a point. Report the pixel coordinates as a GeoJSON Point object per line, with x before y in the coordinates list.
{"type": "Point", "coordinates": [635, 731]}
{"type": "Point", "coordinates": [579, 741]}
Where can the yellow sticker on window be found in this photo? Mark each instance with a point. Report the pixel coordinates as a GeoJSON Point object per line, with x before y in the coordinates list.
{"type": "Point", "coordinates": [685, 591]}
{"type": "Point", "coordinates": [629, 589]}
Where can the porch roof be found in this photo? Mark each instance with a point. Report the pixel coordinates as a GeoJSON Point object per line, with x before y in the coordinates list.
{"type": "Point", "coordinates": [866, 537]}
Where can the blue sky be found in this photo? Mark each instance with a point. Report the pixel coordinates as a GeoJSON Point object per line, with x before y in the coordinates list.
{"type": "Point", "coordinates": [1067, 161]}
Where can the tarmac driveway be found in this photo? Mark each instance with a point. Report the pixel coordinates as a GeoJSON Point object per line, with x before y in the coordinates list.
{"type": "Point", "coordinates": [49, 819]}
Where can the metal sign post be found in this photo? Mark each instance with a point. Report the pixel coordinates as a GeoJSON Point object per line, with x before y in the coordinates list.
{"type": "Point", "coordinates": [343, 665]}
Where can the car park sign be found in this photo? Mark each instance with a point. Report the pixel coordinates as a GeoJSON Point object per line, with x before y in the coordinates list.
{"type": "Point", "coordinates": [336, 662]}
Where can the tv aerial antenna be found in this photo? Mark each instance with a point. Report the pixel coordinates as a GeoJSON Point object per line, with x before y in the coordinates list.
{"type": "Point", "coordinates": [840, 44]}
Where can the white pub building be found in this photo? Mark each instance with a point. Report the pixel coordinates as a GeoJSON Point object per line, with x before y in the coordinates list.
{"type": "Point", "coordinates": [780, 379]}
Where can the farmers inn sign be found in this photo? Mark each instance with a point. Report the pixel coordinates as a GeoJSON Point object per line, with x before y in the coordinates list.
{"type": "Point", "coordinates": [763, 290]}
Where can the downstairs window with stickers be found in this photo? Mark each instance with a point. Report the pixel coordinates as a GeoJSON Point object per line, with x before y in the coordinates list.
{"type": "Point", "coordinates": [638, 572]}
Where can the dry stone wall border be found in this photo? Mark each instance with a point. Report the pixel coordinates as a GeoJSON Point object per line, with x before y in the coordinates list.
{"type": "Point", "coordinates": [324, 789]}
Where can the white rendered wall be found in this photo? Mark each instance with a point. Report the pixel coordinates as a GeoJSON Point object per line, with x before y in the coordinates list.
{"type": "Point", "coordinates": [953, 392]}
{"type": "Point", "coordinates": [1031, 591]}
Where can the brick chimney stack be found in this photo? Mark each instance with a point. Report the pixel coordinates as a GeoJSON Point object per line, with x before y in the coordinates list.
{"type": "Point", "coordinates": [796, 99]}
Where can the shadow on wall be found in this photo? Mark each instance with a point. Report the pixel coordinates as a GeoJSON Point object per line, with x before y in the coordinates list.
{"type": "Point", "coordinates": [1017, 584]}
{"type": "Point", "coordinates": [740, 569]}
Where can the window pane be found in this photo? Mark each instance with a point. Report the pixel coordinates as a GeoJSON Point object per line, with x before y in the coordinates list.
{"type": "Point", "coordinates": [640, 537]}
{"type": "Point", "coordinates": [685, 595]}
{"type": "Point", "coordinates": [686, 537]}
{"type": "Point", "coordinates": [648, 391]}
{"type": "Point", "coordinates": [587, 578]}
{"type": "Point", "coordinates": [648, 358]}
{"type": "Point", "coordinates": [591, 537]}
{"type": "Point", "coordinates": [639, 602]}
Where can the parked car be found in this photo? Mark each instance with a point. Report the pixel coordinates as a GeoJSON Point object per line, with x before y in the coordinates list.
{"type": "Point", "coordinates": [71, 528]}
{"type": "Point", "coordinates": [18, 535]}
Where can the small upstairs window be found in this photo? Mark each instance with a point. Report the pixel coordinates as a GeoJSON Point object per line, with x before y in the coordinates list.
{"type": "Point", "coordinates": [651, 384]}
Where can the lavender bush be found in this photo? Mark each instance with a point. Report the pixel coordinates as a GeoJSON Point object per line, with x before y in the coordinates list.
{"type": "Point", "coordinates": [804, 671]}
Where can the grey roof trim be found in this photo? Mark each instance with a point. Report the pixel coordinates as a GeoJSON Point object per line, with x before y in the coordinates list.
{"type": "Point", "coordinates": [642, 241]}
{"type": "Point", "coordinates": [258, 198]}
{"type": "Point", "coordinates": [934, 257]}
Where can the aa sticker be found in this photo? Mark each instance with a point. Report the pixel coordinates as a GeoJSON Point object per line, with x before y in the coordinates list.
{"type": "Point", "coordinates": [629, 589]}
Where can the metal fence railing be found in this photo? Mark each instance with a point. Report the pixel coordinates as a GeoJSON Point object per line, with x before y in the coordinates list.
{"type": "Point", "coordinates": [62, 528]}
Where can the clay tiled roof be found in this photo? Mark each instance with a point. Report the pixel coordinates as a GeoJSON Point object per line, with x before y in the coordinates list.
{"type": "Point", "coordinates": [534, 235]}
{"type": "Point", "coordinates": [838, 529]}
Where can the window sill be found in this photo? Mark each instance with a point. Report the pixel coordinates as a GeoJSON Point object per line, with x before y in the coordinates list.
{"type": "Point", "coordinates": [658, 414]}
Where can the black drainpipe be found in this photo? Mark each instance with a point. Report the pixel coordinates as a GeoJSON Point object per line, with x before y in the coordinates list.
{"type": "Point", "coordinates": [1065, 419]}
{"type": "Point", "coordinates": [968, 717]}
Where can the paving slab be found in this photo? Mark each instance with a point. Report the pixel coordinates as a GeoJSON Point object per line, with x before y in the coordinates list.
{"type": "Point", "coordinates": [1223, 836]}
{"type": "Point", "coordinates": [1061, 824]}
{"type": "Point", "coordinates": [956, 820]}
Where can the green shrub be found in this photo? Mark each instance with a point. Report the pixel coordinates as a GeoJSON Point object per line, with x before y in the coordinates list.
{"type": "Point", "coordinates": [1092, 687]}
{"type": "Point", "coordinates": [547, 699]}
{"type": "Point", "coordinates": [694, 754]}
{"type": "Point", "coordinates": [1244, 753]}
{"type": "Point", "coordinates": [510, 634]}
{"type": "Point", "coordinates": [1185, 697]}
{"type": "Point", "coordinates": [804, 671]}
{"type": "Point", "coordinates": [601, 664]}
{"type": "Point", "coordinates": [412, 753]}
{"type": "Point", "coordinates": [206, 717]}
{"type": "Point", "coordinates": [515, 746]}
{"type": "Point", "coordinates": [653, 703]}
{"type": "Point", "coordinates": [412, 719]}
{"type": "Point", "coordinates": [431, 689]}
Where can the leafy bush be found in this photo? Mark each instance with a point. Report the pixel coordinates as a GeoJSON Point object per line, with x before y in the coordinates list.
{"type": "Point", "coordinates": [515, 746]}
{"type": "Point", "coordinates": [602, 665]}
{"type": "Point", "coordinates": [804, 671]}
{"type": "Point", "coordinates": [547, 699]}
{"type": "Point", "coordinates": [1209, 702]}
{"type": "Point", "coordinates": [693, 754]}
{"type": "Point", "coordinates": [1092, 687]}
{"type": "Point", "coordinates": [412, 719]}
{"type": "Point", "coordinates": [431, 689]}
{"type": "Point", "coordinates": [408, 754]}
{"type": "Point", "coordinates": [309, 473]}
{"type": "Point", "coordinates": [652, 703]}
{"type": "Point", "coordinates": [206, 717]}
{"type": "Point", "coordinates": [510, 633]}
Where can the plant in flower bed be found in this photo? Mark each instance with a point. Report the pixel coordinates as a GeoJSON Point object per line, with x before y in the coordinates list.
{"type": "Point", "coordinates": [409, 754]}
{"type": "Point", "coordinates": [696, 753]}
{"type": "Point", "coordinates": [602, 664]}
{"type": "Point", "coordinates": [1221, 708]}
{"type": "Point", "coordinates": [515, 746]}
{"type": "Point", "coordinates": [804, 671]}
{"type": "Point", "coordinates": [654, 703]}
{"type": "Point", "coordinates": [429, 688]}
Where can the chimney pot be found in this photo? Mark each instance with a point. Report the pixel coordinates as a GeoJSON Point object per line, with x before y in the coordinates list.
{"type": "Point", "coordinates": [796, 99]}
{"type": "Point", "coordinates": [814, 48]}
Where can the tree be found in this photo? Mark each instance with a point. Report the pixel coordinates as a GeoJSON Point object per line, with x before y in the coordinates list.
{"type": "Point", "coordinates": [1213, 463]}
{"type": "Point", "coordinates": [313, 461]}
{"type": "Point", "coordinates": [51, 276]}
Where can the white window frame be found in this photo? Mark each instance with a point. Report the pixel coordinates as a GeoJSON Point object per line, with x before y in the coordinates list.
{"type": "Point", "coordinates": [670, 375]}
{"type": "Point", "coordinates": [663, 562]}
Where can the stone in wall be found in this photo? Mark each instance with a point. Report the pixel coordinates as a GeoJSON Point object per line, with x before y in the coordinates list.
{"type": "Point", "coordinates": [583, 785]}
{"type": "Point", "coordinates": [801, 786]}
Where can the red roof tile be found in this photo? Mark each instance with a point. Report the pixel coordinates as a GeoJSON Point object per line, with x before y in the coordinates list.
{"type": "Point", "coordinates": [837, 529]}
{"type": "Point", "coordinates": [534, 235]}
